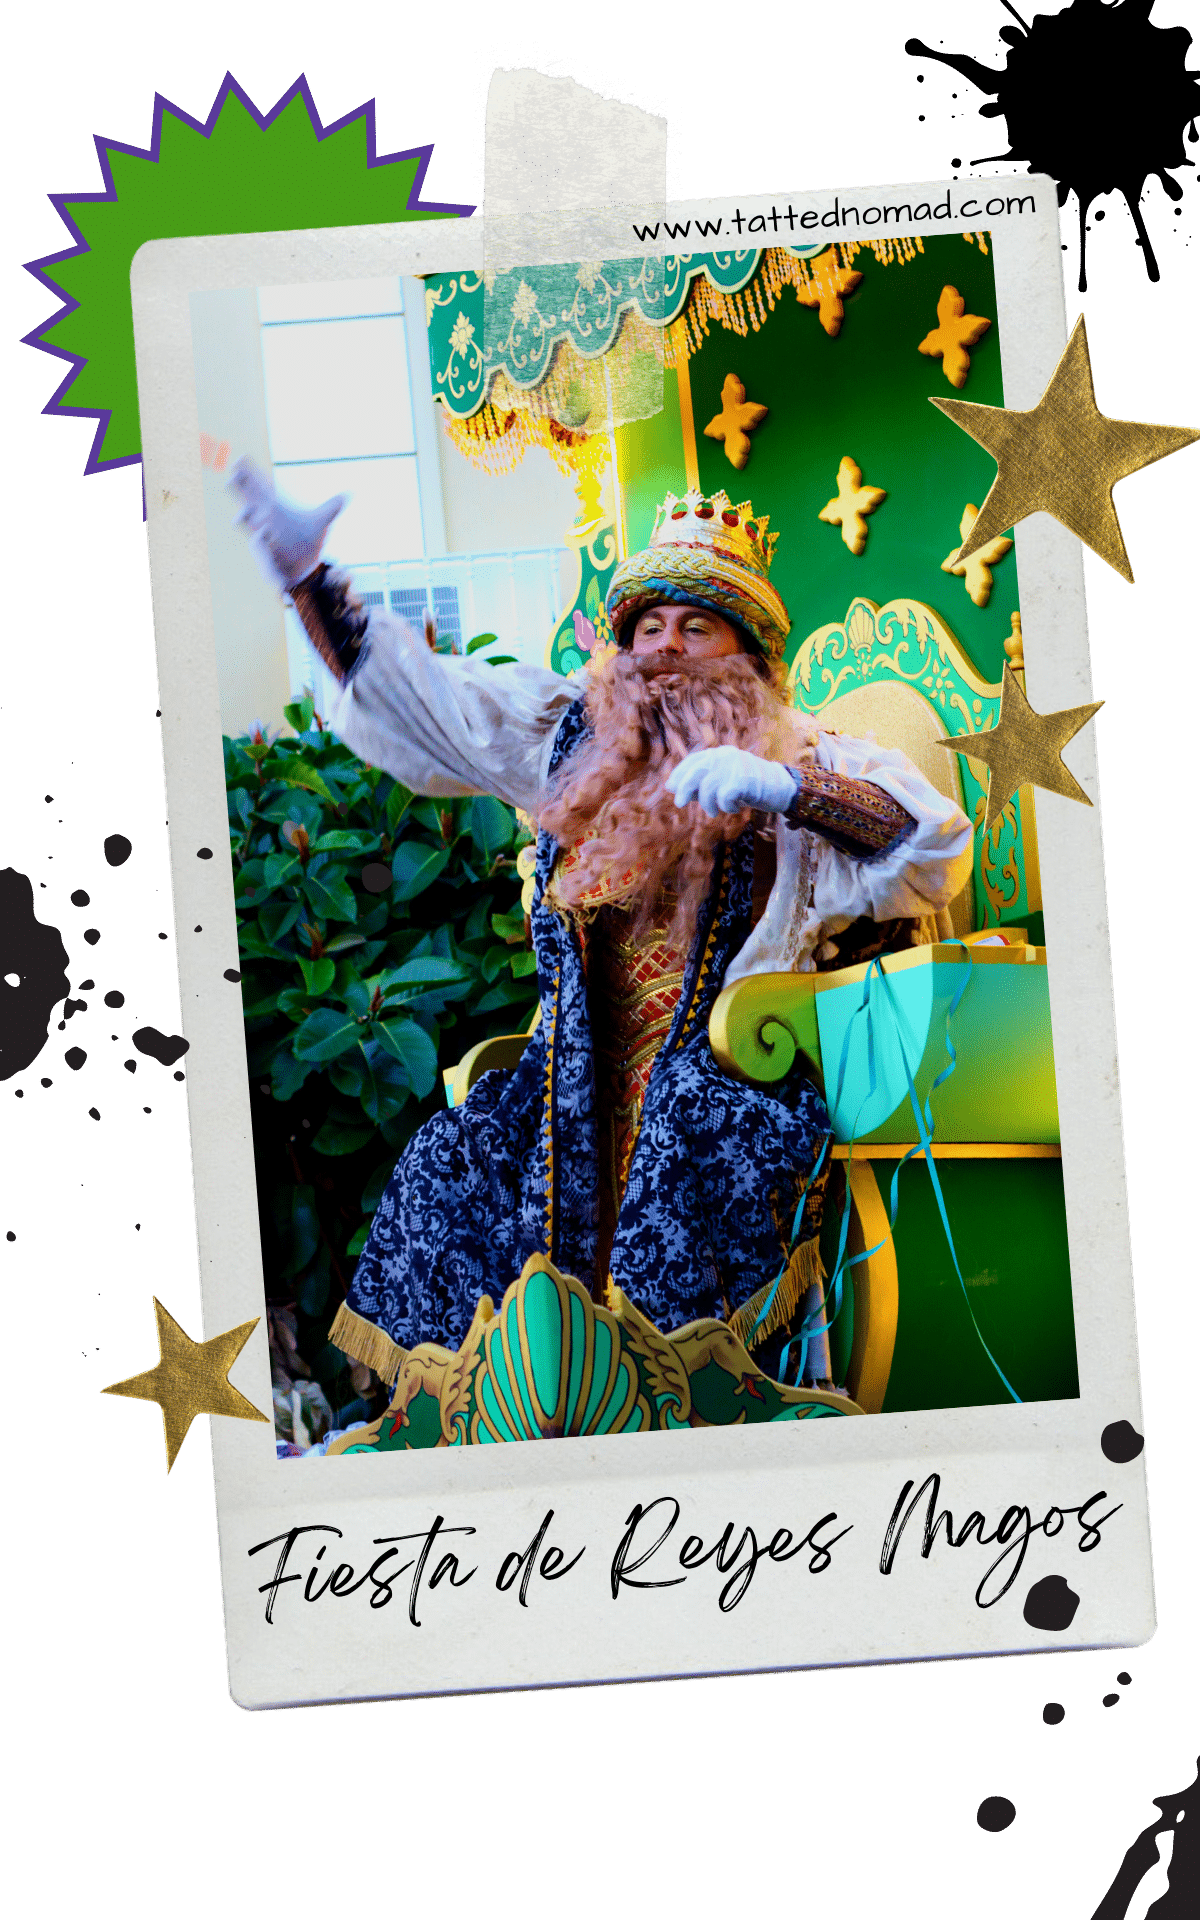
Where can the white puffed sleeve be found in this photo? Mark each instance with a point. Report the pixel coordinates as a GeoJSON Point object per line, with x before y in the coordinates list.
{"type": "Point", "coordinates": [920, 873]}
{"type": "Point", "coordinates": [447, 725]}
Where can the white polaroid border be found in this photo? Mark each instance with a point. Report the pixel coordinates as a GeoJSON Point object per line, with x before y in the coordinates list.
{"type": "Point", "coordinates": [436, 1599]}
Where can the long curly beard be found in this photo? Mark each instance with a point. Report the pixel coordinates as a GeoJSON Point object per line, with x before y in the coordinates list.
{"type": "Point", "coordinates": [610, 804]}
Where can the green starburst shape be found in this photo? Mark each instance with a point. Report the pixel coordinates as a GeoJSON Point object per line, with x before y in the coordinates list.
{"type": "Point", "coordinates": [238, 171]}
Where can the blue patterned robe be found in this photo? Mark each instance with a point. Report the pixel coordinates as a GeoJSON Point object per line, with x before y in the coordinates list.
{"type": "Point", "coordinates": [713, 1183]}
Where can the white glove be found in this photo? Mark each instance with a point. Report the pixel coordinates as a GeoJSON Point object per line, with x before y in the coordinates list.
{"type": "Point", "coordinates": [287, 539]}
{"type": "Point", "coordinates": [726, 779]}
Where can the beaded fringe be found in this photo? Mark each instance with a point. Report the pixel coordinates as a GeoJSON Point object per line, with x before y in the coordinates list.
{"type": "Point", "coordinates": [805, 1269]}
{"type": "Point", "coordinates": [362, 1340]}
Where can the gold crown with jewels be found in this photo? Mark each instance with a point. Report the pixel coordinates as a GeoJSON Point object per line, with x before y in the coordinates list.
{"type": "Point", "coordinates": [705, 548]}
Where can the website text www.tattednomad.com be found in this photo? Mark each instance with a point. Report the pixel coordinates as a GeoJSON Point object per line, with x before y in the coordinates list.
{"type": "Point", "coordinates": [837, 216]}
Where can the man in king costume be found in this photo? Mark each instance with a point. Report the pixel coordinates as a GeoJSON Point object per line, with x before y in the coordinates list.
{"type": "Point", "coordinates": [693, 828]}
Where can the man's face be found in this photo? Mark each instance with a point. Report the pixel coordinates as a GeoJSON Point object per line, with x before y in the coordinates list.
{"type": "Point", "coordinates": [693, 631]}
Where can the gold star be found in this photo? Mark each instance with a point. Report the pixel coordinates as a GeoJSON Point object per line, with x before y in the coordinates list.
{"type": "Point", "coordinates": [956, 330]}
{"type": "Point", "coordinates": [976, 573]}
{"type": "Point", "coordinates": [736, 421]}
{"type": "Point", "coordinates": [190, 1378]}
{"type": "Point", "coordinates": [1024, 748]}
{"type": "Point", "coordinates": [1062, 457]}
{"type": "Point", "coordinates": [851, 504]}
{"type": "Point", "coordinates": [829, 283]}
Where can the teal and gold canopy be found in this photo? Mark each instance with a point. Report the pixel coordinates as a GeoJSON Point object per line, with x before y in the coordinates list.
{"type": "Point", "coordinates": [510, 322]}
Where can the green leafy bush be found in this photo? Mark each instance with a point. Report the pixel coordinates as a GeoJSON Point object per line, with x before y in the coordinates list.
{"type": "Point", "coordinates": [381, 936]}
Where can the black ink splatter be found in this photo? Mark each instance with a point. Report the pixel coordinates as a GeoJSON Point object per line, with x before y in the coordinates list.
{"type": "Point", "coordinates": [75, 1057]}
{"type": "Point", "coordinates": [1050, 1604]}
{"type": "Point", "coordinates": [33, 977]}
{"type": "Point", "coordinates": [995, 1813]}
{"type": "Point", "coordinates": [204, 853]}
{"type": "Point", "coordinates": [94, 1113]}
{"type": "Point", "coordinates": [115, 998]}
{"type": "Point", "coordinates": [81, 899]}
{"type": "Point", "coordinates": [376, 877]}
{"type": "Point", "coordinates": [1121, 1442]}
{"type": "Point", "coordinates": [91, 935]}
{"type": "Point", "coordinates": [1110, 1699]}
{"type": "Point", "coordinates": [131, 1066]}
{"type": "Point", "coordinates": [231, 973]}
{"type": "Point", "coordinates": [1096, 97]}
{"type": "Point", "coordinates": [1124, 1679]}
{"type": "Point", "coordinates": [1179, 1815]}
{"type": "Point", "coordinates": [117, 849]}
{"type": "Point", "coordinates": [164, 1047]}
{"type": "Point", "coordinates": [1053, 1714]}
{"type": "Point", "coordinates": [70, 1007]}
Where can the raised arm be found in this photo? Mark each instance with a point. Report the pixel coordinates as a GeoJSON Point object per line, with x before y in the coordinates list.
{"type": "Point", "coordinates": [442, 724]}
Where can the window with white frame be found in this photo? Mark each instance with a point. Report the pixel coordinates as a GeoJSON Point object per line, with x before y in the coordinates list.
{"type": "Point", "coordinates": [350, 410]}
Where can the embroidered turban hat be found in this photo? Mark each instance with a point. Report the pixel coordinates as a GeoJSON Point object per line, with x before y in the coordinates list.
{"type": "Point", "coordinates": [704, 552]}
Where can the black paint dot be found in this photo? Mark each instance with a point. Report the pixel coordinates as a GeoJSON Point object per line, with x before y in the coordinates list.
{"type": "Point", "coordinates": [47, 1083]}
{"type": "Point", "coordinates": [85, 986]}
{"type": "Point", "coordinates": [162, 936]}
{"type": "Point", "coordinates": [145, 1109]}
{"type": "Point", "coordinates": [137, 1226]}
{"type": "Point", "coordinates": [995, 1813]}
{"type": "Point", "coordinates": [1121, 1442]}
{"type": "Point", "coordinates": [1110, 1699]}
{"type": "Point", "coordinates": [94, 1112]}
{"type": "Point", "coordinates": [1053, 1714]}
{"type": "Point", "coordinates": [920, 116]}
{"type": "Point", "coordinates": [75, 1057]}
{"type": "Point", "coordinates": [957, 163]}
{"type": "Point", "coordinates": [164, 1047]}
{"type": "Point", "coordinates": [231, 973]}
{"type": "Point", "coordinates": [10, 1236]}
{"type": "Point", "coordinates": [204, 853]}
{"type": "Point", "coordinates": [1099, 214]}
{"type": "Point", "coordinates": [114, 999]}
{"type": "Point", "coordinates": [49, 799]}
{"type": "Point", "coordinates": [1123, 1679]}
{"type": "Point", "coordinates": [376, 877]}
{"type": "Point", "coordinates": [178, 1076]}
{"type": "Point", "coordinates": [197, 929]}
{"type": "Point", "coordinates": [81, 899]}
{"type": "Point", "coordinates": [92, 935]}
{"type": "Point", "coordinates": [20, 1093]}
{"type": "Point", "coordinates": [131, 1066]}
{"type": "Point", "coordinates": [117, 849]}
{"type": "Point", "coordinates": [1050, 1604]}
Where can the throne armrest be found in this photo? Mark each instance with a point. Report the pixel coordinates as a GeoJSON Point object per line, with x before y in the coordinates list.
{"type": "Point", "coordinates": [761, 1023]}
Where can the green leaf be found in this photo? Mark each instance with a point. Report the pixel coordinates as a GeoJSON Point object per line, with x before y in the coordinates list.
{"type": "Point", "coordinates": [413, 1048]}
{"type": "Point", "coordinates": [342, 942]}
{"type": "Point", "coordinates": [289, 1074]}
{"type": "Point", "coordinates": [494, 962]}
{"type": "Point", "coordinates": [397, 805]}
{"type": "Point", "coordinates": [523, 964]}
{"type": "Point", "coordinates": [491, 826]}
{"type": "Point", "coordinates": [481, 640]}
{"type": "Point", "coordinates": [505, 993]}
{"type": "Point", "coordinates": [415, 867]}
{"type": "Point", "coordinates": [334, 1139]}
{"type": "Point", "coordinates": [278, 918]}
{"type": "Point", "coordinates": [279, 870]}
{"type": "Point", "coordinates": [300, 774]}
{"type": "Point", "coordinates": [304, 1232]}
{"type": "Point", "coordinates": [501, 659]}
{"type": "Point", "coordinates": [304, 808]}
{"type": "Point", "coordinates": [318, 976]}
{"type": "Point", "coordinates": [359, 1241]}
{"type": "Point", "coordinates": [372, 1193]}
{"type": "Point", "coordinates": [509, 926]}
{"type": "Point", "coordinates": [386, 1085]}
{"type": "Point", "coordinates": [425, 971]}
{"type": "Point", "coordinates": [325, 1034]}
{"type": "Point", "coordinates": [313, 1292]}
{"type": "Point", "coordinates": [299, 714]}
{"type": "Point", "coordinates": [342, 840]}
{"type": "Point", "coordinates": [326, 888]}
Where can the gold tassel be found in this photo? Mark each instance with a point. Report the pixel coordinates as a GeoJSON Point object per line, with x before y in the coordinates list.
{"type": "Point", "coordinates": [805, 1269]}
{"type": "Point", "coordinates": [363, 1341]}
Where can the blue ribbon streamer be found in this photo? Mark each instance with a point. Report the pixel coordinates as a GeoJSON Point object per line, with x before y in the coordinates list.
{"type": "Point", "coordinates": [923, 1115]}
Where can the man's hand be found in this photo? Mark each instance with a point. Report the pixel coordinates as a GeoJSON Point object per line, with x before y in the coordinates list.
{"type": "Point", "coordinates": [727, 779]}
{"type": "Point", "coordinates": [287, 539]}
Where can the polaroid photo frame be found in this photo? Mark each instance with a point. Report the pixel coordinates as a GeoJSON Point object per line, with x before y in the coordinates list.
{"type": "Point", "coordinates": [963, 1487]}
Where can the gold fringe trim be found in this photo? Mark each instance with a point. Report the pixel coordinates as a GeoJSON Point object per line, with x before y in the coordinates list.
{"type": "Point", "coordinates": [805, 1270]}
{"type": "Point", "coordinates": [363, 1341]}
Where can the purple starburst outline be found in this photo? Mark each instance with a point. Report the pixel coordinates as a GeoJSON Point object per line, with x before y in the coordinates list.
{"type": "Point", "coordinates": [228, 89]}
